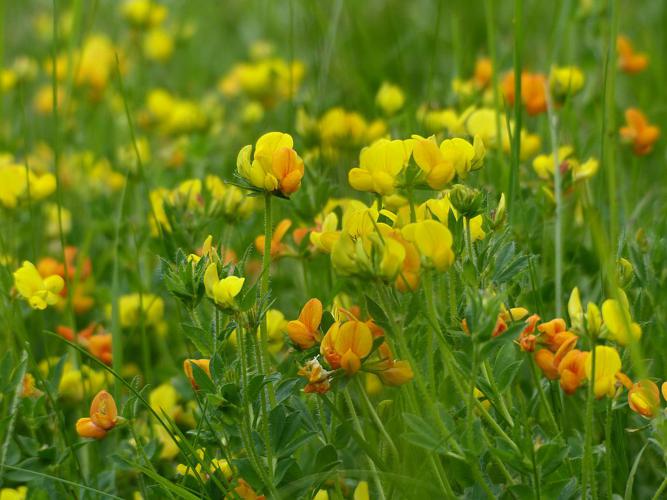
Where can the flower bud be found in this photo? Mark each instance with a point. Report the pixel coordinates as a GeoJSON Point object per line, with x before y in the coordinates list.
{"type": "Point", "coordinates": [466, 200]}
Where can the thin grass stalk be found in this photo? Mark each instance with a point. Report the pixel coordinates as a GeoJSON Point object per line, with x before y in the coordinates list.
{"type": "Point", "coordinates": [516, 136]}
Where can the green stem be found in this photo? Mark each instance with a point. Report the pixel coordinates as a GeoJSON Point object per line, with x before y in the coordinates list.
{"type": "Point", "coordinates": [357, 427]}
{"type": "Point", "coordinates": [558, 195]}
{"type": "Point", "coordinates": [264, 290]}
{"type": "Point", "coordinates": [588, 473]}
{"type": "Point", "coordinates": [516, 137]}
{"type": "Point", "coordinates": [661, 489]}
{"type": "Point", "coordinates": [376, 419]}
{"type": "Point", "coordinates": [542, 394]}
{"type": "Point", "coordinates": [608, 448]}
{"type": "Point", "coordinates": [502, 406]}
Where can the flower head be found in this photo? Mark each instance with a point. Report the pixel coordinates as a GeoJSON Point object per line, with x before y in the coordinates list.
{"type": "Point", "coordinates": [304, 331]}
{"type": "Point", "coordinates": [346, 345]}
{"type": "Point", "coordinates": [379, 166]}
{"type": "Point", "coordinates": [639, 132]}
{"type": "Point", "coordinates": [222, 291]}
{"type": "Point", "coordinates": [38, 291]}
{"type": "Point", "coordinates": [607, 365]}
{"type": "Point", "coordinates": [276, 166]}
{"type": "Point", "coordinates": [433, 241]}
{"type": "Point", "coordinates": [390, 98]}
{"type": "Point", "coordinates": [103, 417]}
{"type": "Point", "coordinates": [644, 398]}
{"type": "Point", "coordinates": [628, 60]}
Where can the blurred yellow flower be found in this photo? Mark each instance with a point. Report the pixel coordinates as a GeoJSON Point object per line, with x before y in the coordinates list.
{"type": "Point", "coordinates": [390, 98]}
{"type": "Point", "coordinates": [566, 80]}
{"type": "Point", "coordinates": [135, 307]}
{"type": "Point", "coordinates": [158, 45]}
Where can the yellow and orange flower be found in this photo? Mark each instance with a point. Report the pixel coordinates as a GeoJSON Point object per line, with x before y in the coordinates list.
{"type": "Point", "coordinates": [103, 417]}
{"type": "Point", "coordinates": [644, 398]}
{"type": "Point", "coordinates": [305, 331]}
{"type": "Point", "coordinates": [346, 345]}
{"type": "Point", "coordinates": [276, 166]}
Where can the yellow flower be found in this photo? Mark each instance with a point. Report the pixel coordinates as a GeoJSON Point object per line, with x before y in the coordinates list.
{"type": "Point", "coordinates": [439, 170]}
{"type": "Point", "coordinates": [390, 98]}
{"type": "Point", "coordinates": [324, 239]}
{"type": "Point", "coordinates": [434, 242]}
{"type": "Point", "coordinates": [275, 167]}
{"type": "Point", "coordinates": [345, 346]}
{"type": "Point", "coordinates": [379, 165]}
{"type": "Point", "coordinates": [73, 382]}
{"type": "Point", "coordinates": [143, 13]}
{"type": "Point", "coordinates": [607, 365]}
{"type": "Point", "coordinates": [463, 155]}
{"type": "Point", "coordinates": [276, 325]}
{"type": "Point", "coordinates": [39, 292]}
{"type": "Point", "coordinates": [14, 184]}
{"type": "Point", "coordinates": [544, 164]}
{"type": "Point", "coordinates": [164, 398]}
{"type": "Point", "coordinates": [617, 319]}
{"type": "Point", "coordinates": [361, 491]}
{"type": "Point", "coordinates": [586, 170]}
{"type": "Point", "coordinates": [96, 64]}
{"type": "Point", "coordinates": [133, 306]}
{"type": "Point", "coordinates": [566, 80]}
{"type": "Point", "coordinates": [222, 291]}
{"type": "Point", "coordinates": [644, 398]}
{"type": "Point", "coordinates": [158, 45]}
{"type": "Point", "coordinates": [19, 493]}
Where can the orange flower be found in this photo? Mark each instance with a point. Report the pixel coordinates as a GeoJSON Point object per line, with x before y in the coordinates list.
{"type": "Point", "coordinates": [344, 346]}
{"type": "Point", "coordinates": [639, 132]}
{"type": "Point", "coordinates": [644, 398]}
{"type": "Point", "coordinates": [628, 60]}
{"type": "Point", "coordinates": [533, 91]}
{"type": "Point", "coordinates": [204, 364]}
{"type": "Point", "coordinates": [103, 417]}
{"type": "Point", "coordinates": [288, 169]}
{"type": "Point", "coordinates": [86, 428]}
{"type": "Point", "coordinates": [93, 338]}
{"type": "Point", "coordinates": [572, 370]}
{"type": "Point", "coordinates": [554, 333]}
{"type": "Point", "coordinates": [100, 346]}
{"type": "Point", "coordinates": [545, 360]}
{"type": "Point", "coordinates": [527, 338]}
{"type": "Point", "coordinates": [304, 331]}
{"type": "Point", "coordinates": [278, 248]}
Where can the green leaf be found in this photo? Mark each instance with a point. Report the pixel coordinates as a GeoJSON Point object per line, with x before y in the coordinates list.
{"type": "Point", "coordinates": [201, 339]}
{"type": "Point", "coordinates": [326, 459]}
